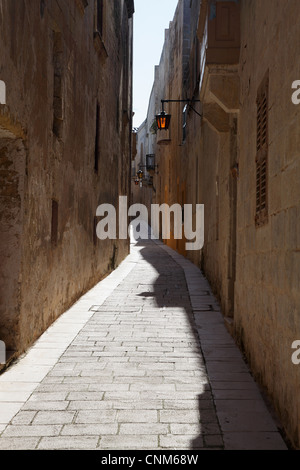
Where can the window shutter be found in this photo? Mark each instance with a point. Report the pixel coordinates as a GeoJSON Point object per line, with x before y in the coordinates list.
{"type": "Point", "coordinates": [262, 153]}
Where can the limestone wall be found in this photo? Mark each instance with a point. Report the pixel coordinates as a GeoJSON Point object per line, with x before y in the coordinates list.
{"type": "Point", "coordinates": [254, 269]}
{"type": "Point", "coordinates": [267, 298]}
{"type": "Point", "coordinates": [68, 88]}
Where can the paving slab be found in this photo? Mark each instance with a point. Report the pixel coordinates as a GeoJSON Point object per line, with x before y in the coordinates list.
{"type": "Point", "coordinates": [142, 361]}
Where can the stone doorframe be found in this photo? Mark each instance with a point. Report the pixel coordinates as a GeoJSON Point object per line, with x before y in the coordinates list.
{"type": "Point", "coordinates": [12, 183]}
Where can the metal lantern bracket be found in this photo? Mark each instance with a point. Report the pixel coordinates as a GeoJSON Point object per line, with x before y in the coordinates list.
{"type": "Point", "coordinates": [188, 102]}
{"type": "Point", "coordinates": [163, 119]}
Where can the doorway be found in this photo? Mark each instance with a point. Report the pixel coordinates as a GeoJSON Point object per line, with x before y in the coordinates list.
{"type": "Point", "coordinates": [12, 176]}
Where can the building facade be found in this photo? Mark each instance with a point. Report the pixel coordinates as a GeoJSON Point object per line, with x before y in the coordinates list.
{"type": "Point", "coordinates": [144, 159]}
{"type": "Point", "coordinates": [65, 148]}
{"type": "Point", "coordinates": [241, 160]}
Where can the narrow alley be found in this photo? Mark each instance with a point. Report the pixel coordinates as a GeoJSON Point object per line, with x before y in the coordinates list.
{"type": "Point", "coordinates": [183, 115]}
{"type": "Point", "coordinates": [142, 361]}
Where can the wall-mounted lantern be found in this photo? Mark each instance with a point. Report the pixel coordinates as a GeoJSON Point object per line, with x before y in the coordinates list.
{"type": "Point", "coordinates": [163, 119]}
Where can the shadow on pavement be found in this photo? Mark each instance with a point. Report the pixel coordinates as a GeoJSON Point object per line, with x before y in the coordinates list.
{"type": "Point", "coordinates": [170, 291]}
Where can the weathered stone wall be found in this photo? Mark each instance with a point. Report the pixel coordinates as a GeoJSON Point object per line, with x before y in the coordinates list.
{"type": "Point", "coordinates": [213, 179]}
{"type": "Point", "coordinates": [195, 168]}
{"type": "Point", "coordinates": [69, 90]}
{"type": "Point", "coordinates": [267, 298]}
{"type": "Point", "coordinates": [171, 181]}
{"type": "Point", "coordinates": [254, 270]}
{"type": "Point", "coordinates": [12, 169]}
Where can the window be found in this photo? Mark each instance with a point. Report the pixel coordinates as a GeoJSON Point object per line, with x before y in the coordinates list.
{"type": "Point", "coordinates": [42, 8]}
{"type": "Point", "coordinates": [262, 153]}
{"type": "Point", "coordinates": [58, 104]}
{"type": "Point", "coordinates": [54, 223]}
{"type": "Point", "coordinates": [99, 16]}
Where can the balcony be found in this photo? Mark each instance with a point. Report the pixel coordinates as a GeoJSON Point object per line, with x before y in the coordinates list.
{"type": "Point", "coordinates": [219, 37]}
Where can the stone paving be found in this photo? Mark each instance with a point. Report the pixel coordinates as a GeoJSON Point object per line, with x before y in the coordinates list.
{"type": "Point", "coordinates": [143, 361]}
